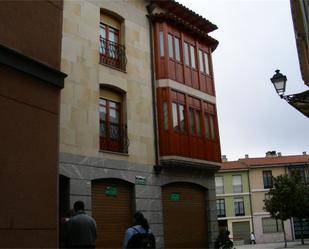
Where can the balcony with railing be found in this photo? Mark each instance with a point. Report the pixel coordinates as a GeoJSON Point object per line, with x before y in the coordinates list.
{"type": "Point", "coordinates": [114, 138]}
{"type": "Point", "coordinates": [112, 54]}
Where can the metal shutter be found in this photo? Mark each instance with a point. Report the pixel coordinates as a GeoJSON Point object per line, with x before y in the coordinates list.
{"type": "Point", "coordinates": [112, 212]}
{"type": "Point", "coordinates": [184, 214]}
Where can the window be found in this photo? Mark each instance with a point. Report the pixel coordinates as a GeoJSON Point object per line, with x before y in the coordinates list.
{"type": "Point", "coordinates": [161, 34]}
{"type": "Point", "coordinates": [237, 184]}
{"type": "Point", "coordinates": [220, 208]}
{"type": "Point", "coordinates": [219, 185]}
{"type": "Point", "coordinates": [178, 117]}
{"type": "Point", "coordinates": [173, 47]}
{"type": "Point", "coordinates": [209, 121]}
{"type": "Point", "coordinates": [189, 52]}
{"type": "Point", "coordinates": [165, 115]}
{"type": "Point", "coordinates": [195, 122]}
{"type": "Point", "coordinates": [111, 51]}
{"type": "Point", "coordinates": [271, 225]}
{"type": "Point", "coordinates": [239, 206]}
{"type": "Point", "coordinates": [186, 48]}
{"type": "Point", "coordinates": [267, 179]}
{"type": "Point", "coordinates": [113, 135]}
{"type": "Point", "coordinates": [204, 62]}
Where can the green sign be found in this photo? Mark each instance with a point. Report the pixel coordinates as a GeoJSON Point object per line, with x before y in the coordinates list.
{"type": "Point", "coordinates": [111, 191]}
{"type": "Point", "coordinates": [140, 180]}
{"type": "Point", "coordinates": [175, 197]}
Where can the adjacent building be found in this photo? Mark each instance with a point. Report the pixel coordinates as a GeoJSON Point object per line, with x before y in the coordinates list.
{"type": "Point", "coordinates": [30, 85]}
{"type": "Point", "coordinates": [138, 126]}
{"type": "Point", "coordinates": [255, 175]}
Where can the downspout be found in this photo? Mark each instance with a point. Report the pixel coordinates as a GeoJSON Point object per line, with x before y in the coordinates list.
{"type": "Point", "coordinates": [157, 167]}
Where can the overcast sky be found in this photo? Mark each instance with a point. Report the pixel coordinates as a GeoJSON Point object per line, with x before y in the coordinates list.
{"type": "Point", "coordinates": [255, 38]}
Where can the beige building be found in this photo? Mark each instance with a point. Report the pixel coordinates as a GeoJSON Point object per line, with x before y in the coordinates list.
{"type": "Point", "coordinates": [109, 148]}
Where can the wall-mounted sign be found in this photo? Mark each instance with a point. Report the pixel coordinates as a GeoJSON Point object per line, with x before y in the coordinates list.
{"type": "Point", "coordinates": [175, 197]}
{"type": "Point", "coordinates": [140, 180]}
{"type": "Point", "coordinates": [111, 191]}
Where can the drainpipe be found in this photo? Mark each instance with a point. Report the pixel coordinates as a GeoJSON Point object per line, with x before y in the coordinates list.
{"type": "Point", "coordinates": [157, 166]}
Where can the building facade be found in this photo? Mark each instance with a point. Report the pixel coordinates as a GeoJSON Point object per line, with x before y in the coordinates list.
{"type": "Point", "coordinates": [234, 208]}
{"type": "Point", "coordinates": [30, 85]}
{"type": "Point", "coordinates": [259, 173]}
{"type": "Point", "coordinates": [138, 126]}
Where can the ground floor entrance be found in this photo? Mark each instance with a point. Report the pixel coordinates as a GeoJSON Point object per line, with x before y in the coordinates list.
{"type": "Point", "coordinates": [112, 210]}
{"type": "Point", "coordinates": [241, 231]}
{"type": "Point", "coordinates": [184, 216]}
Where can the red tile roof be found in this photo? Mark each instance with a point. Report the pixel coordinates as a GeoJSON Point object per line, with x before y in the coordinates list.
{"type": "Point", "coordinates": [246, 163]}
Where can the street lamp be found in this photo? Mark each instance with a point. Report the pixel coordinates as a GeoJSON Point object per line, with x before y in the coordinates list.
{"type": "Point", "coordinates": [279, 81]}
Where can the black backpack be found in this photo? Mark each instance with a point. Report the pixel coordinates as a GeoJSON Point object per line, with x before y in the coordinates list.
{"type": "Point", "coordinates": [142, 241]}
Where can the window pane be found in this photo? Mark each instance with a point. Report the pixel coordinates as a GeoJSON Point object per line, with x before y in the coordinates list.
{"type": "Point", "coordinates": [186, 48]}
{"type": "Point", "coordinates": [206, 63]}
{"type": "Point", "coordinates": [198, 123]}
{"type": "Point", "coordinates": [165, 116]}
{"type": "Point", "coordinates": [207, 129]}
{"type": "Point", "coordinates": [237, 184]}
{"type": "Point", "coordinates": [177, 49]}
{"type": "Point", "coordinates": [267, 179]}
{"type": "Point", "coordinates": [192, 125]}
{"type": "Point", "coordinates": [114, 131]}
{"type": "Point", "coordinates": [114, 116]}
{"type": "Point", "coordinates": [161, 43]}
{"type": "Point", "coordinates": [102, 31]}
{"type": "Point", "coordinates": [170, 46]}
{"type": "Point", "coordinates": [212, 128]}
{"type": "Point", "coordinates": [113, 35]}
{"type": "Point", "coordinates": [175, 116]}
{"type": "Point", "coordinates": [192, 54]}
{"type": "Point", "coordinates": [219, 185]}
{"type": "Point", "coordinates": [200, 55]}
{"type": "Point", "coordinates": [182, 117]}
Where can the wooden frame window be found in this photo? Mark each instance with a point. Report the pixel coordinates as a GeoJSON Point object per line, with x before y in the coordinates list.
{"type": "Point", "coordinates": [161, 37]}
{"type": "Point", "coordinates": [179, 117]}
{"type": "Point", "coordinates": [195, 121]}
{"type": "Point", "coordinates": [173, 47]}
{"type": "Point", "coordinates": [204, 62]}
{"type": "Point", "coordinates": [165, 115]}
{"type": "Point", "coordinates": [112, 52]}
{"type": "Point", "coordinates": [189, 53]}
{"type": "Point", "coordinates": [209, 122]}
{"type": "Point", "coordinates": [111, 132]}
{"type": "Point", "coordinates": [267, 179]}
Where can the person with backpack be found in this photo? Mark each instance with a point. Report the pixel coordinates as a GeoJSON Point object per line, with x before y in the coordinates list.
{"type": "Point", "coordinates": [139, 235]}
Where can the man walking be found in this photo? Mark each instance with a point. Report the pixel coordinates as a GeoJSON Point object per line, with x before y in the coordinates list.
{"type": "Point", "coordinates": [81, 229]}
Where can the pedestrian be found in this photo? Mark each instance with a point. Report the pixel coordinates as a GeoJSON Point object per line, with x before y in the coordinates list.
{"type": "Point", "coordinates": [139, 235]}
{"type": "Point", "coordinates": [252, 238]}
{"type": "Point", "coordinates": [81, 229]}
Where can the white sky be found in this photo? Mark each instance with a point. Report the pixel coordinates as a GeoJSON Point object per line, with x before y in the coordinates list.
{"type": "Point", "coordinates": [255, 38]}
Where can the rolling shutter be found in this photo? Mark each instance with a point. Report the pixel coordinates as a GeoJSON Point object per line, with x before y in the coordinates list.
{"type": "Point", "coordinates": [184, 214]}
{"type": "Point", "coordinates": [112, 210]}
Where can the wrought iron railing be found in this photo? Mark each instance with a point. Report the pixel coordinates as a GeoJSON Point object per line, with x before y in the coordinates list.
{"type": "Point", "coordinates": [112, 54]}
{"type": "Point", "coordinates": [114, 138]}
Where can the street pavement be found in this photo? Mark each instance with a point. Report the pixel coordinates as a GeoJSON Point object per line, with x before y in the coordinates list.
{"type": "Point", "coordinates": [280, 245]}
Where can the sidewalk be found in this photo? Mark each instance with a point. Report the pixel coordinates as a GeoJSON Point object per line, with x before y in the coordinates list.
{"type": "Point", "coordinates": [280, 245]}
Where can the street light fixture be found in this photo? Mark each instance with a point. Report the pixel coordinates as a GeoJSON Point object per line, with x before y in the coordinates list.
{"type": "Point", "coordinates": [299, 101]}
{"type": "Point", "coordinates": [279, 81]}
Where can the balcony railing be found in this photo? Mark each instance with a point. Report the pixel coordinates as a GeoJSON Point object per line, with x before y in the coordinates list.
{"type": "Point", "coordinates": [112, 54]}
{"type": "Point", "coordinates": [115, 138]}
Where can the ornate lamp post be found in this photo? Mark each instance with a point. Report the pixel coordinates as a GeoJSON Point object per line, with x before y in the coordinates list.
{"type": "Point", "coordinates": [279, 81]}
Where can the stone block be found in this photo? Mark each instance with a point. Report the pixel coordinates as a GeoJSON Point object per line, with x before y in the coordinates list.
{"type": "Point", "coordinates": [145, 191]}
{"type": "Point", "coordinates": [80, 187]}
{"type": "Point", "coordinates": [148, 204]}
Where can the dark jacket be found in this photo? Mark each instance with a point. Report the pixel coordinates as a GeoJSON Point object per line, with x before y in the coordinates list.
{"type": "Point", "coordinates": [81, 231]}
